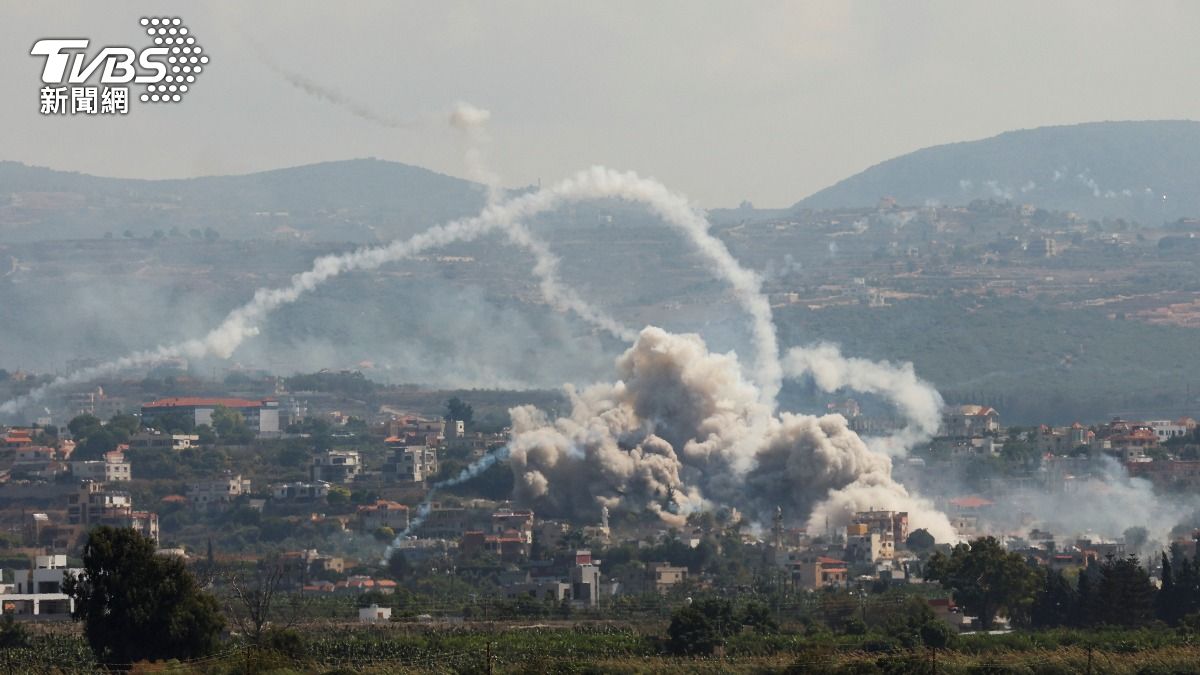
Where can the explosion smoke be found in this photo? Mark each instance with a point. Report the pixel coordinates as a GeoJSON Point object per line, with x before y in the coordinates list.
{"type": "Point", "coordinates": [916, 400]}
{"type": "Point", "coordinates": [682, 429]}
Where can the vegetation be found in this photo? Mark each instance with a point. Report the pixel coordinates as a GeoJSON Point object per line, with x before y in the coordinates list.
{"type": "Point", "coordinates": [136, 605]}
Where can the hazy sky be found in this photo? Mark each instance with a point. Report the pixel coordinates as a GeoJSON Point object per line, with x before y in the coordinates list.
{"type": "Point", "coordinates": [767, 101]}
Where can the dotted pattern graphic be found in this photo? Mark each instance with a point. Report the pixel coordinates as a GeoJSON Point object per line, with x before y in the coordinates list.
{"type": "Point", "coordinates": [185, 60]}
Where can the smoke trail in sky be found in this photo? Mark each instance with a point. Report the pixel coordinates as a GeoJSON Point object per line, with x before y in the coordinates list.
{"type": "Point", "coordinates": [591, 184]}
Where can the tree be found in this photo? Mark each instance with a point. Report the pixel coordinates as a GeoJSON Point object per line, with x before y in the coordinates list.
{"type": "Point", "coordinates": [93, 446]}
{"type": "Point", "coordinates": [1054, 603]}
{"type": "Point", "coordinates": [80, 425]}
{"type": "Point", "coordinates": [691, 632]}
{"type": "Point", "coordinates": [985, 579]}
{"type": "Point", "coordinates": [398, 565]}
{"type": "Point", "coordinates": [920, 540]}
{"type": "Point", "coordinates": [1124, 595]}
{"type": "Point", "coordinates": [138, 606]}
{"type": "Point", "coordinates": [460, 410]}
{"type": "Point", "coordinates": [231, 426]}
{"type": "Point", "coordinates": [254, 603]}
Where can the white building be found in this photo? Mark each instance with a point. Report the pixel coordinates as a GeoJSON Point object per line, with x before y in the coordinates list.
{"type": "Point", "coordinates": [38, 592]}
{"type": "Point", "coordinates": [374, 614]}
{"type": "Point", "coordinates": [336, 466]}
{"type": "Point", "coordinates": [217, 493]}
{"type": "Point", "coordinates": [414, 463]}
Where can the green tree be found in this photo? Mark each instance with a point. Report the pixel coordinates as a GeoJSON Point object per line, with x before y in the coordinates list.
{"type": "Point", "coordinates": [1123, 596]}
{"type": "Point", "coordinates": [231, 426]}
{"type": "Point", "coordinates": [95, 444]}
{"type": "Point", "coordinates": [81, 425]}
{"type": "Point", "coordinates": [458, 409]}
{"type": "Point", "coordinates": [1054, 603]}
{"type": "Point", "coordinates": [920, 540]}
{"type": "Point", "coordinates": [138, 606]}
{"type": "Point", "coordinates": [985, 579]}
{"type": "Point", "coordinates": [691, 632]}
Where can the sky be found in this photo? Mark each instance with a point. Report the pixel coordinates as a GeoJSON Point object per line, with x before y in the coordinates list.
{"type": "Point", "coordinates": [723, 101]}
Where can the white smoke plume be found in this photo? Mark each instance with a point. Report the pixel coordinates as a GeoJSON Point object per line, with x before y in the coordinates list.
{"type": "Point", "coordinates": [591, 184]}
{"type": "Point", "coordinates": [917, 401]}
{"type": "Point", "coordinates": [681, 430]}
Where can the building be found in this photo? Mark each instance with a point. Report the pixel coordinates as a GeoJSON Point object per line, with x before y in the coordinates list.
{"type": "Point", "coordinates": [969, 420]}
{"type": "Point", "coordinates": [817, 572]}
{"type": "Point", "coordinates": [156, 440]}
{"type": "Point", "coordinates": [506, 547]}
{"type": "Point", "coordinates": [217, 494]}
{"type": "Point", "coordinates": [888, 523]}
{"type": "Point", "coordinates": [94, 505]}
{"type": "Point", "coordinates": [112, 469]}
{"type": "Point", "coordinates": [336, 466]}
{"type": "Point", "coordinates": [383, 513]}
{"type": "Point", "coordinates": [38, 592]}
{"type": "Point", "coordinates": [374, 614]}
{"type": "Point", "coordinates": [661, 576]}
{"type": "Point", "coordinates": [299, 492]}
{"type": "Point", "coordinates": [261, 416]}
{"type": "Point", "coordinates": [411, 463]}
{"type": "Point", "coordinates": [514, 523]}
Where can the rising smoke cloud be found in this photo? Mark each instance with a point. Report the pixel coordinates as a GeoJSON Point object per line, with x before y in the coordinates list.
{"type": "Point", "coordinates": [681, 430]}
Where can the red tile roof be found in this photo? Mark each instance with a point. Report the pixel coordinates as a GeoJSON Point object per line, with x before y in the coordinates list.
{"type": "Point", "coordinates": [201, 402]}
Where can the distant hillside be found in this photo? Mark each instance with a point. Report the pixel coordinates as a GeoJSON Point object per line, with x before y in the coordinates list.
{"type": "Point", "coordinates": [354, 200]}
{"type": "Point", "coordinates": [1100, 170]}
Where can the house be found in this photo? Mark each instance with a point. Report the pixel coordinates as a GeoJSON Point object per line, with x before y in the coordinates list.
{"type": "Point", "coordinates": [410, 463]}
{"type": "Point", "coordinates": [156, 440]}
{"type": "Point", "coordinates": [15, 439]}
{"type": "Point", "coordinates": [508, 547]}
{"type": "Point", "coordinates": [814, 572]}
{"type": "Point", "coordinates": [112, 469]}
{"type": "Point", "coordinates": [661, 576]}
{"type": "Point", "coordinates": [383, 513]}
{"type": "Point", "coordinates": [336, 466]}
{"type": "Point", "coordinates": [261, 416]}
{"type": "Point", "coordinates": [217, 494]}
{"type": "Point", "coordinates": [374, 614]}
{"type": "Point", "coordinates": [298, 491]}
{"type": "Point", "coordinates": [94, 504]}
{"type": "Point", "coordinates": [38, 591]}
{"type": "Point", "coordinates": [969, 420]}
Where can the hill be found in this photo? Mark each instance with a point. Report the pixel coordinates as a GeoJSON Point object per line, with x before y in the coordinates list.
{"type": "Point", "coordinates": [1099, 170]}
{"type": "Point", "coordinates": [353, 200]}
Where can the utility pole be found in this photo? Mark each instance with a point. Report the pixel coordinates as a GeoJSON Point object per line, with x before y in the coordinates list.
{"type": "Point", "coordinates": [489, 657]}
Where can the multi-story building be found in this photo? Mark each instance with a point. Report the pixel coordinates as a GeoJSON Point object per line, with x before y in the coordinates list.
{"type": "Point", "coordinates": [336, 466]}
{"type": "Point", "coordinates": [112, 469]}
{"type": "Point", "coordinates": [412, 463]}
{"type": "Point", "coordinates": [94, 505]}
{"type": "Point", "coordinates": [383, 513]}
{"type": "Point", "coordinates": [261, 416]}
{"type": "Point", "coordinates": [299, 492]}
{"type": "Point", "coordinates": [156, 440]}
{"type": "Point", "coordinates": [217, 494]}
{"type": "Point", "coordinates": [38, 591]}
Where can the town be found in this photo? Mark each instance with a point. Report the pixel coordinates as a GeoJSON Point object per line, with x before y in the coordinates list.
{"type": "Point", "coordinates": [343, 506]}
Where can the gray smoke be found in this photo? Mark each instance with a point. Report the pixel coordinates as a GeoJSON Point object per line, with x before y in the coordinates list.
{"type": "Point", "coordinates": [682, 430]}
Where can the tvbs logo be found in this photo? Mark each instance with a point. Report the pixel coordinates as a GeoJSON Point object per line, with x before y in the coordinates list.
{"type": "Point", "coordinates": [168, 68]}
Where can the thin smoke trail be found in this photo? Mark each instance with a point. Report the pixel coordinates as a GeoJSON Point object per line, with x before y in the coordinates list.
{"type": "Point", "coordinates": [591, 184]}
{"type": "Point", "coordinates": [471, 471]}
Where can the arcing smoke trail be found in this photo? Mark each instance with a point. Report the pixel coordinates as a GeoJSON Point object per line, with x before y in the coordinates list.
{"type": "Point", "coordinates": [591, 184]}
{"type": "Point", "coordinates": [474, 469]}
{"type": "Point", "coordinates": [327, 94]}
